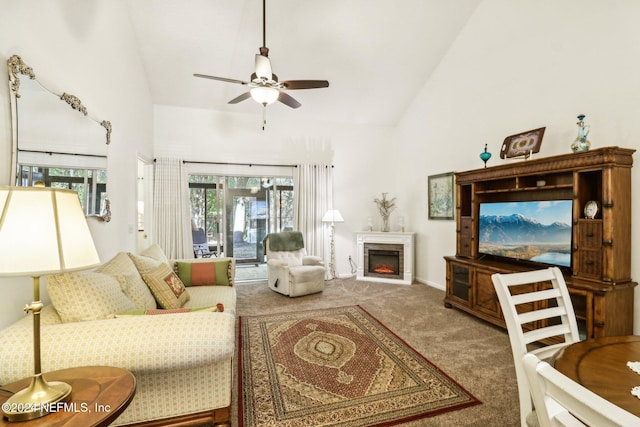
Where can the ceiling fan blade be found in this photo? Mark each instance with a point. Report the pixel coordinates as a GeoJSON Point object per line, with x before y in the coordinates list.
{"type": "Point", "coordinates": [288, 100]}
{"type": "Point", "coordinates": [263, 67]}
{"type": "Point", "coordinates": [240, 98]}
{"type": "Point", "coordinates": [305, 84]}
{"type": "Point", "coordinates": [222, 79]}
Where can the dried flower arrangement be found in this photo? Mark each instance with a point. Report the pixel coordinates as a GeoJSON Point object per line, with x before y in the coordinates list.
{"type": "Point", "coordinates": [385, 207]}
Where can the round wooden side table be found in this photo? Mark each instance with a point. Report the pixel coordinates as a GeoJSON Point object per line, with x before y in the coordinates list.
{"type": "Point", "coordinates": [99, 395]}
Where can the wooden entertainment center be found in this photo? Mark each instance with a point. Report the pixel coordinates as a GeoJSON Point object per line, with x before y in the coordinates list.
{"type": "Point", "coordinates": [599, 278]}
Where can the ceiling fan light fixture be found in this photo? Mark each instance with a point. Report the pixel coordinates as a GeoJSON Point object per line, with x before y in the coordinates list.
{"type": "Point", "coordinates": [265, 95]}
{"type": "Point", "coordinates": [265, 88]}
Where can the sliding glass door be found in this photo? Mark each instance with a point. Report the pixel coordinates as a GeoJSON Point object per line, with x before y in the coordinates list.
{"type": "Point", "coordinates": [246, 211]}
{"type": "Point", "coordinates": [238, 211]}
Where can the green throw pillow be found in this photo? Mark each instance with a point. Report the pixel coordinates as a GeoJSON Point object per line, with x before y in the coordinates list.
{"type": "Point", "coordinates": [204, 273]}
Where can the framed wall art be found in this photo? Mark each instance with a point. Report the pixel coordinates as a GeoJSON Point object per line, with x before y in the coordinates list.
{"type": "Point", "coordinates": [440, 195]}
{"type": "Point", "coordinates": [522, 144]}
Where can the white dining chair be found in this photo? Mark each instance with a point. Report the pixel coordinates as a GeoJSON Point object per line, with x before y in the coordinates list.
{"type": "Point", "coordinates": [533, 312]}
{"type": "Point", "coordinates": [560, 401]}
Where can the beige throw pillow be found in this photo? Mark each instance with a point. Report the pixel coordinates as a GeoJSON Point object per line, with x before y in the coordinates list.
{"type": "Point", "coordinates": [155, 251]}
{"type": "Point", "coordinates": [86, 296]}
{"type": "Point", "coordinates": [144, 264]}
{"type": "Point", "coordinates": [133, 286]}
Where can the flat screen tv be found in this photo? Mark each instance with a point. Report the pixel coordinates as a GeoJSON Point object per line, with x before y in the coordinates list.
{"type": "Point", "coordinates": [537, 231]}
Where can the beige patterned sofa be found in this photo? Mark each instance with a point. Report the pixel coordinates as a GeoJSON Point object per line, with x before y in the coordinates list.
{"type": "Point", "coordinates": [181, 358]}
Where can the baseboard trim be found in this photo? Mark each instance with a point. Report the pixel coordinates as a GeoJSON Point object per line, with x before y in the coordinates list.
{"type": "Point", "coordinates": [417, 279]}
{"type": "Point", "coordinates": [432, 284]}
{"type": "Point", "coordinates": [219, 417]}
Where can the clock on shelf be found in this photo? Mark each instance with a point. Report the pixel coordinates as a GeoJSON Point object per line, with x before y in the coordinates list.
{"type": "Point", "coordinates": [590, 209]}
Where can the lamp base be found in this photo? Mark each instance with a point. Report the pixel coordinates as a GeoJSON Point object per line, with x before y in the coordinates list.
{"type": "Point", "coordinates": [37, 400]}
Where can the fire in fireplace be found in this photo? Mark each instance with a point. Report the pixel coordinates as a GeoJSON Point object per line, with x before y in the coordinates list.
{"type": "Point", "coordinates": [385, 269]}
{"type": "Point", "coordinates": [383, 260]}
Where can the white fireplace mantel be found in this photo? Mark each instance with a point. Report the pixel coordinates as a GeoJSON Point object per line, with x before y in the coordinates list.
{"type": "Point", "coordinates": [395, 238]}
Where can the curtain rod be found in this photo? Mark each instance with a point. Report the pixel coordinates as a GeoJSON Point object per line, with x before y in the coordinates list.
{"type": "Point", "coordinates": [58, 152]}
{"type": "Point", "coordinates": [239, 164]}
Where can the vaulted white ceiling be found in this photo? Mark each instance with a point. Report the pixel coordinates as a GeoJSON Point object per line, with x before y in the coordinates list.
{"type": "Point", "coordinates": [376, 54]}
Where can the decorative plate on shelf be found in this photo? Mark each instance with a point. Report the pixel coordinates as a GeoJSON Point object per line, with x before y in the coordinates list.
{"type": "Point", "coordinates": [522, 144]}
{"type": "Point", "coordinates": [590, 209]}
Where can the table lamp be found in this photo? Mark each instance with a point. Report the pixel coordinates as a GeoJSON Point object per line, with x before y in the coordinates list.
{"type": "Point", "coordinates": [332, 216]}
{"type": "Point", "coordinates": [42, 231]}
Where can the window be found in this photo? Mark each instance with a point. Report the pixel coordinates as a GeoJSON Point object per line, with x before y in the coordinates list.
{"type": "Point", "coordinates": [206, 196]}
{"type": "Point", "coordinates": [90, 184]}
{"type": "Point", "coordinates": [281, 198]}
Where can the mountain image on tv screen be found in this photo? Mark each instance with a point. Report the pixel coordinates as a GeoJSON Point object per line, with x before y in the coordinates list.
{"type": "Point", "coordinates": [537, 231]}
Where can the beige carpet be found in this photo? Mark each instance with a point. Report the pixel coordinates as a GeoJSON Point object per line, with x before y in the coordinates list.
{"type": "Point", "coordinates": [336, 367]}
{"type": "Point", "coordinates": [472, 352]}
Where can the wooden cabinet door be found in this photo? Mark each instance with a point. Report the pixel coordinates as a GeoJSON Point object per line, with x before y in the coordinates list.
{"type": "Point", "coordinates": [582, 302]}
{"type": "Point", "coordinates": [458, 283]}
{"type": "Point", "coordinates": [589, 236]}
{"type": "Point", "coordinates": [485, 298]}
{"type": "Point", "coordinates": [465, 237]}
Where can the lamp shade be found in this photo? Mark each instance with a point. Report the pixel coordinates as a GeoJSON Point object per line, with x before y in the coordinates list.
{"type": "Point", "coordinates": [264, 95]}
{"type": "Point", "coordinates": [332, 215]}
{"type": "Point", "coordinates": [43, 231]}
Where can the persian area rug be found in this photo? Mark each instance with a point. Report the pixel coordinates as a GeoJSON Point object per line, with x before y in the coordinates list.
{"type": "Point", "coordinates": [335, 367]}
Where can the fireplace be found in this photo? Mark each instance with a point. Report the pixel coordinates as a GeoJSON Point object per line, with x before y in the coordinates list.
{"type": "Point", "coordinates": [385, 257]}
{"type": "Point", "coordinates": [383, 260]}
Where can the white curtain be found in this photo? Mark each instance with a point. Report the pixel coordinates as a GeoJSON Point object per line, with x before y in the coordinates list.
{"type": "Point", "coordinates": [313, 196]}
{"type": "Point", "coordinates": [171, 211]}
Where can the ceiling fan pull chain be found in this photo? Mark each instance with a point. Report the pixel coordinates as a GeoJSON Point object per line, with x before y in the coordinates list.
{"type": "Point", "coordinates": [264, 115]}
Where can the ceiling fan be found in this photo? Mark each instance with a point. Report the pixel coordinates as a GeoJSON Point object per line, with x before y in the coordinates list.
{"type": "Point", "coordinates": [265, 87]}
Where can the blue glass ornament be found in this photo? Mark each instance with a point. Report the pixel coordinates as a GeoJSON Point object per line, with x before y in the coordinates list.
{"type": "Point", "coordinates": [485, 155]}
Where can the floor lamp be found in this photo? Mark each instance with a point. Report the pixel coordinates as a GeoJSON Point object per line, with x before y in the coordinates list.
{"type": "Point", "coordinates": [42, 231]}
{"type": "Point", "coordinates": [332, 216]}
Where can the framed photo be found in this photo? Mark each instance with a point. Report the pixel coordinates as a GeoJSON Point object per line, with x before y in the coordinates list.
{"type": "Point", "coordinates": [522, 144]}
{"type": "Point", "coordinates": [440, 194]}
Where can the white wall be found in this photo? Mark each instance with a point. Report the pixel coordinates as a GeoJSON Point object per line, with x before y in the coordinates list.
{"type": "Point", "coordinates": [520, 65]}
{"type": "Point", "coordinates": [364, 158]}
{"type": "Point", "coordinates": [84, 48]}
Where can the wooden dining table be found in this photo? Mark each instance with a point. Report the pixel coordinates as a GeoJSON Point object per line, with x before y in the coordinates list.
{"type": "Point", "coordinates": [600, 365]}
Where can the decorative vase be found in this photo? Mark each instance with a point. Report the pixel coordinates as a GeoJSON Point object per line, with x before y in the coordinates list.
{"type": "Point", "coordinates": [385, 223]}
{"type": "Point", "coordinates": [385, 206]}
{"type": "Point", "coordinates": [485, 155]}
{"type": "Point", "coordinates": [581, 142]}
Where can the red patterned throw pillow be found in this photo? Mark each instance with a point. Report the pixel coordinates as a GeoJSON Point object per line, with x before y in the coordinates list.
{"type": "Point", "coordinates": [166, 287]}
